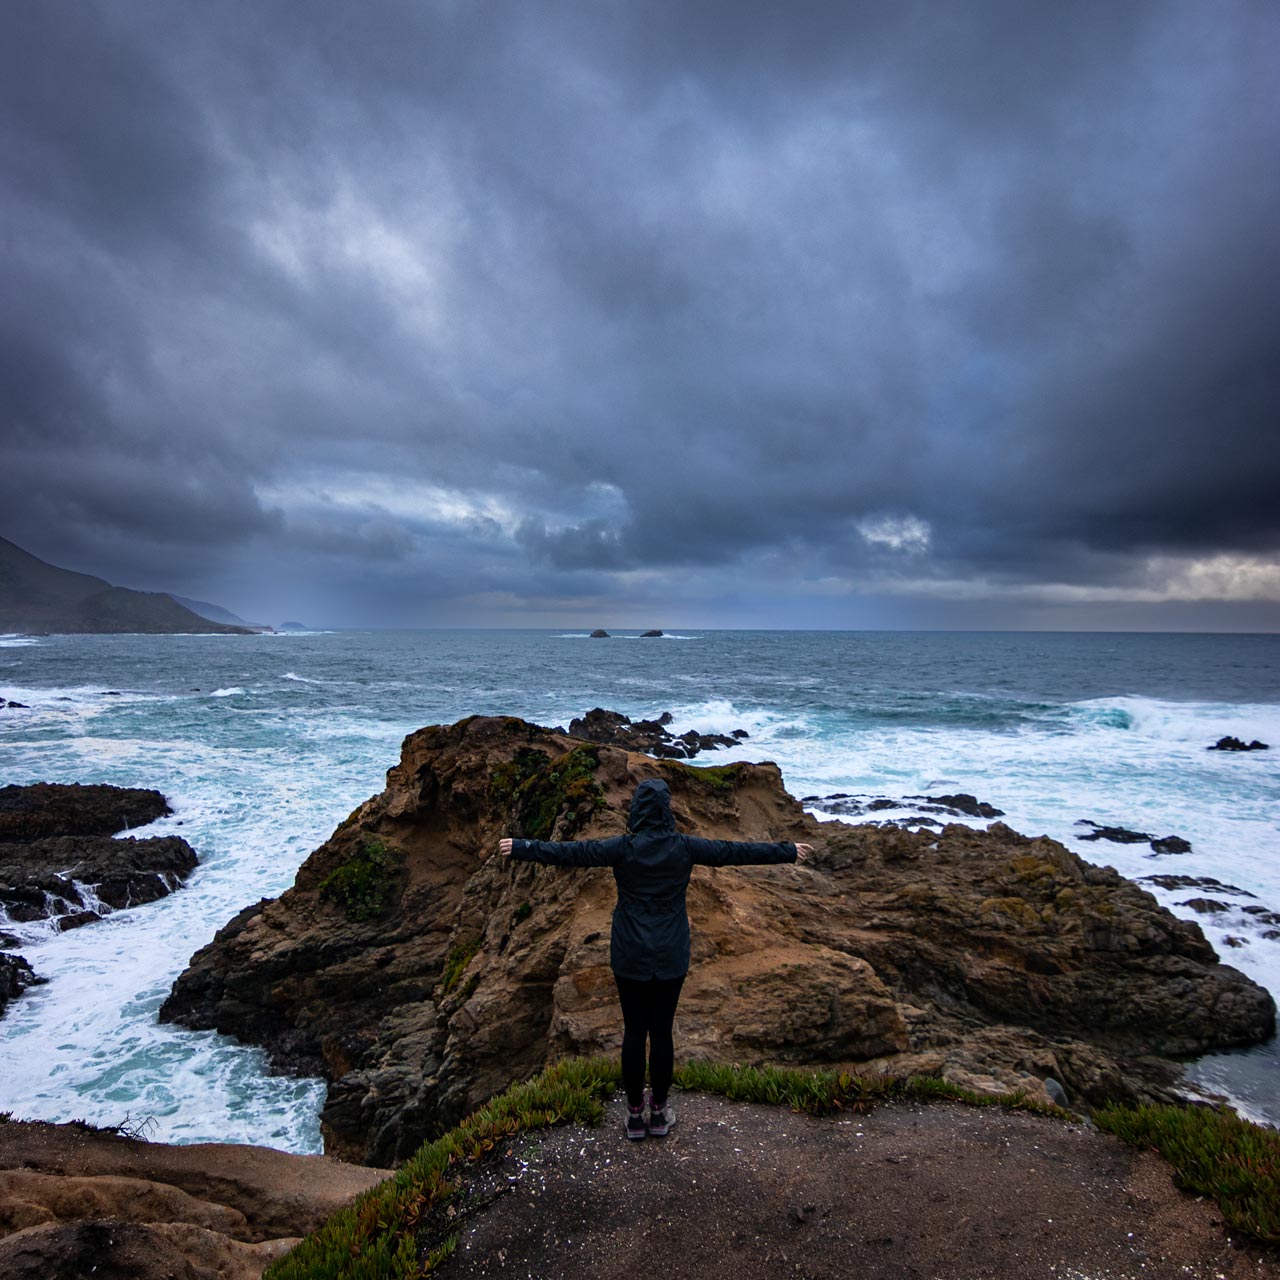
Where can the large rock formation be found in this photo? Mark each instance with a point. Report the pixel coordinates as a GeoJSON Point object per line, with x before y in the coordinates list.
{"type": "Point", "coordinates": [420, 973]}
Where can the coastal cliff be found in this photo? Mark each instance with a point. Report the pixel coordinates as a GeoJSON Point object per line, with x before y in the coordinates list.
{"type": "Point", "coordinates": [420, 974]}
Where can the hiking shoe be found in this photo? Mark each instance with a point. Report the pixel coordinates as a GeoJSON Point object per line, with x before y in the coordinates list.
{"type": "Point", "coordinates": [635, 1127]}
{"type": "Point", "coordinates": [660, 1120]}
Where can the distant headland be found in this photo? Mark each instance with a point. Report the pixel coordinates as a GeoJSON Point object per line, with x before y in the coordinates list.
{"type": "Point", "coordinates": [36, 597]}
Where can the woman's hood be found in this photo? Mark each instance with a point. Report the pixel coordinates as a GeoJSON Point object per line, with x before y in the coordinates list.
{"type": "Point", "coordinates": [651, 808]}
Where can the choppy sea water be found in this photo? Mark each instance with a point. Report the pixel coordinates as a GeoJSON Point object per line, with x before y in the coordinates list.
{"type": "Point", "coordinates": [263, 744]}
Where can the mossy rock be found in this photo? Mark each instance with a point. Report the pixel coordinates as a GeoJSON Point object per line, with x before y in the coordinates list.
{"type": "Point", "coordinates": [716, 779]}
{"type": "Point", "coordinates": [541, 793]}
{"type": "Point", "coordinates": [367, 884]}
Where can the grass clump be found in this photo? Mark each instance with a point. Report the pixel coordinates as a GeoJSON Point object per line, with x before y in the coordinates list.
{"type": "Point", "coordinates": [1213, 1153]}
{"type": "Point", "coordinates": [539, 791]}
{"type": "Point", "coordinates": [456, 965]}
{"type": "Point", "coordinates": [821, 1092]}
{"type": "Point", "coordinates": [364, 886]}
{"type": "Point", "coordinates": [383, 1235]}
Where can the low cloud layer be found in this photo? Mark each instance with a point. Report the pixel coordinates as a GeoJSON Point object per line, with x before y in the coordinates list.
{"type": "Point", "coordinates": [417, 313]}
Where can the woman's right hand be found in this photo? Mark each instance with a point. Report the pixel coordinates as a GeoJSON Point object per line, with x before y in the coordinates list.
{"type": "Point", "coordinates": [803, 851]}
{"type": "Point", "coordinates": [504, 848]}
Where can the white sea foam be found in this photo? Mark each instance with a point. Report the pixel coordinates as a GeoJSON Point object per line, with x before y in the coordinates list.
{"type": "Point", "coordinates": [231, 692]}
{"type": "Point", "coordinates": [14, 641]}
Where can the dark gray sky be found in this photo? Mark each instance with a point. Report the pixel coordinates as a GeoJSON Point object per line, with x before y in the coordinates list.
{"type": "Point", "coordinates": [729, 313]}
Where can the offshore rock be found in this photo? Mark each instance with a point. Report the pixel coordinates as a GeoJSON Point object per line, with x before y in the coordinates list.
{"type": "Point", "coordinates": [420, 973]}
{"type": "Point", "coordinates": [56, 809]}
{"type": "Point", "coordinates": [58, 860]}
{"type": "Point", "coordinates": [649, 736]}
{"type": "Point", "coordinates": [1235, 744]}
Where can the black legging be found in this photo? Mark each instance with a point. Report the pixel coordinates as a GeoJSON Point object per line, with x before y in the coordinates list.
{"type": "Point", "coordinates": [648, 1009]}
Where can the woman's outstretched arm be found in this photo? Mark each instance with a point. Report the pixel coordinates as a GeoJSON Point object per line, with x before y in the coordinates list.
{"type": "Point", "coordinates": [742, 853]}
{"type": "Point", "coordinates": [564, 853]}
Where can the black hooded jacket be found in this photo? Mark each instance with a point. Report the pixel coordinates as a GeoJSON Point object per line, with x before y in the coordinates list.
{"type": "Point", "coordinates": [651, 864]}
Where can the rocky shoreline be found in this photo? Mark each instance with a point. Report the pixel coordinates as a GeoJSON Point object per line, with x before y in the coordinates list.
{"type": "Point", "coordinates": [60, 866]}
{"type": "Point", "coordinates": [419, 975]}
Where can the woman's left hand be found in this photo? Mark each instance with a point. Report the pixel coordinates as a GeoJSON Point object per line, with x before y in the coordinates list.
{"type": "Point", "coordinates": [504, 848]}
{"type": "Point", "coordinates": [803, 851]}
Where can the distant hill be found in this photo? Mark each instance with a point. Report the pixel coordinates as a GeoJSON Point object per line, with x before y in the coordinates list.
{"type": "Point", "coordinates": [37, 597]}
{"type": "Point", "coordinates": [214, 612]}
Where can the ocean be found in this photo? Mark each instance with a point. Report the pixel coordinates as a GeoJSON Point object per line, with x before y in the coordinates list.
{"type": "Point", "coordinates": [264, 743]}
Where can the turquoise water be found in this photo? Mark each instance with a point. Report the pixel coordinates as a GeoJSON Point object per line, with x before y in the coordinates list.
{"type": "Point", "coordinates": [264, 744]}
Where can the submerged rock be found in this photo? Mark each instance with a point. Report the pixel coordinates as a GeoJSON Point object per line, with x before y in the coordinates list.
{"type": "Point", "coordinates": [650, 635]}
{"type": "Point", "coordinates": [420, 973]}
{"type": "Point", "coordinates": [1122, 835]}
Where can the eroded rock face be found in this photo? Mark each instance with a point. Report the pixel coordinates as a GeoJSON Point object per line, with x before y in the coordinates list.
{"type": "Point", "coordinates": [420, 973]}
{"type": "Point", "coordinates": [75, 1202]}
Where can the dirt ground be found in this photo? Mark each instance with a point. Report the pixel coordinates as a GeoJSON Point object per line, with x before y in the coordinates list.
{"type": "Point", "coordinates": [936, 1191]}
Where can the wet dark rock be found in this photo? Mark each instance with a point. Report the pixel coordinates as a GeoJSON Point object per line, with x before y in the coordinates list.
{"type": "Point", "coordinates": [16, 975]}
{"type": "Point", "coordinates": [740, 733]}
{"type": "Point", "coordinates": [1122, 835]}
{"type": "Point", "coordinates": [1171, 844]}
{"type": "Point", "coordinates": [599, 634]}
{"type": "Point", "coordinates": [964, 803]}
{"type": "Point", "coordinates": [15, 706]}
{"type": "Point", "coordinates": [1195, 882]}
{"type": "Point", "coordinates": [952, 806]}
{"type": "Point", "coordinates": [54, 809]}
{"type": "Point", "coordinates": [1206, 906]}
{"type": "Point", "coordinates": [1234, 744]}
{"type": "Point", "coordinates": [1262, 915]}
{"type": "Point", "coordinates": [58, 859]}
{"type": "Point", "coordinates": [614, 729]}
{"type": "Point", "coordinates": [650, 635]}
{"type": "Point", "coordinates": [1117, 835]}
{"type": "Point", "coordinates": [53, 877]}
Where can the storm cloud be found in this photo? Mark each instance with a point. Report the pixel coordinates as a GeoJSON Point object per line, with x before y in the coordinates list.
{"type": "Point", "coordinates": [816, 314]}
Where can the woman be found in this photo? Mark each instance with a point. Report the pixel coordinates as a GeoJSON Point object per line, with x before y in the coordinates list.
{"type": "Point", "coordinates": [649, 948]}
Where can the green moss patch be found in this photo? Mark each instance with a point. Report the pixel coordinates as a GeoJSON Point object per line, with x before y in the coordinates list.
{"type": "Point", "coordinates": [538, 791]}
{"type": "Point", "coordinates": [366, 885]}
{"type": "Point", "coordinates": [456, 965]}
{"type": "Point", "coordinates": [1213, 1153]}
{"type": "Point", "coordinates": [719, 779]}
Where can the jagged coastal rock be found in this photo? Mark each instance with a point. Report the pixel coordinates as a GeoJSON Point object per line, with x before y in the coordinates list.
{"type": "Point", "coordinates": [420, 973]}
{"type": "Point", "coordinates": [652, 737]}
{"type": "Point", "coordinates": [58, 860]}
{"type": "Point", "coordinates": [1235, 744]}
